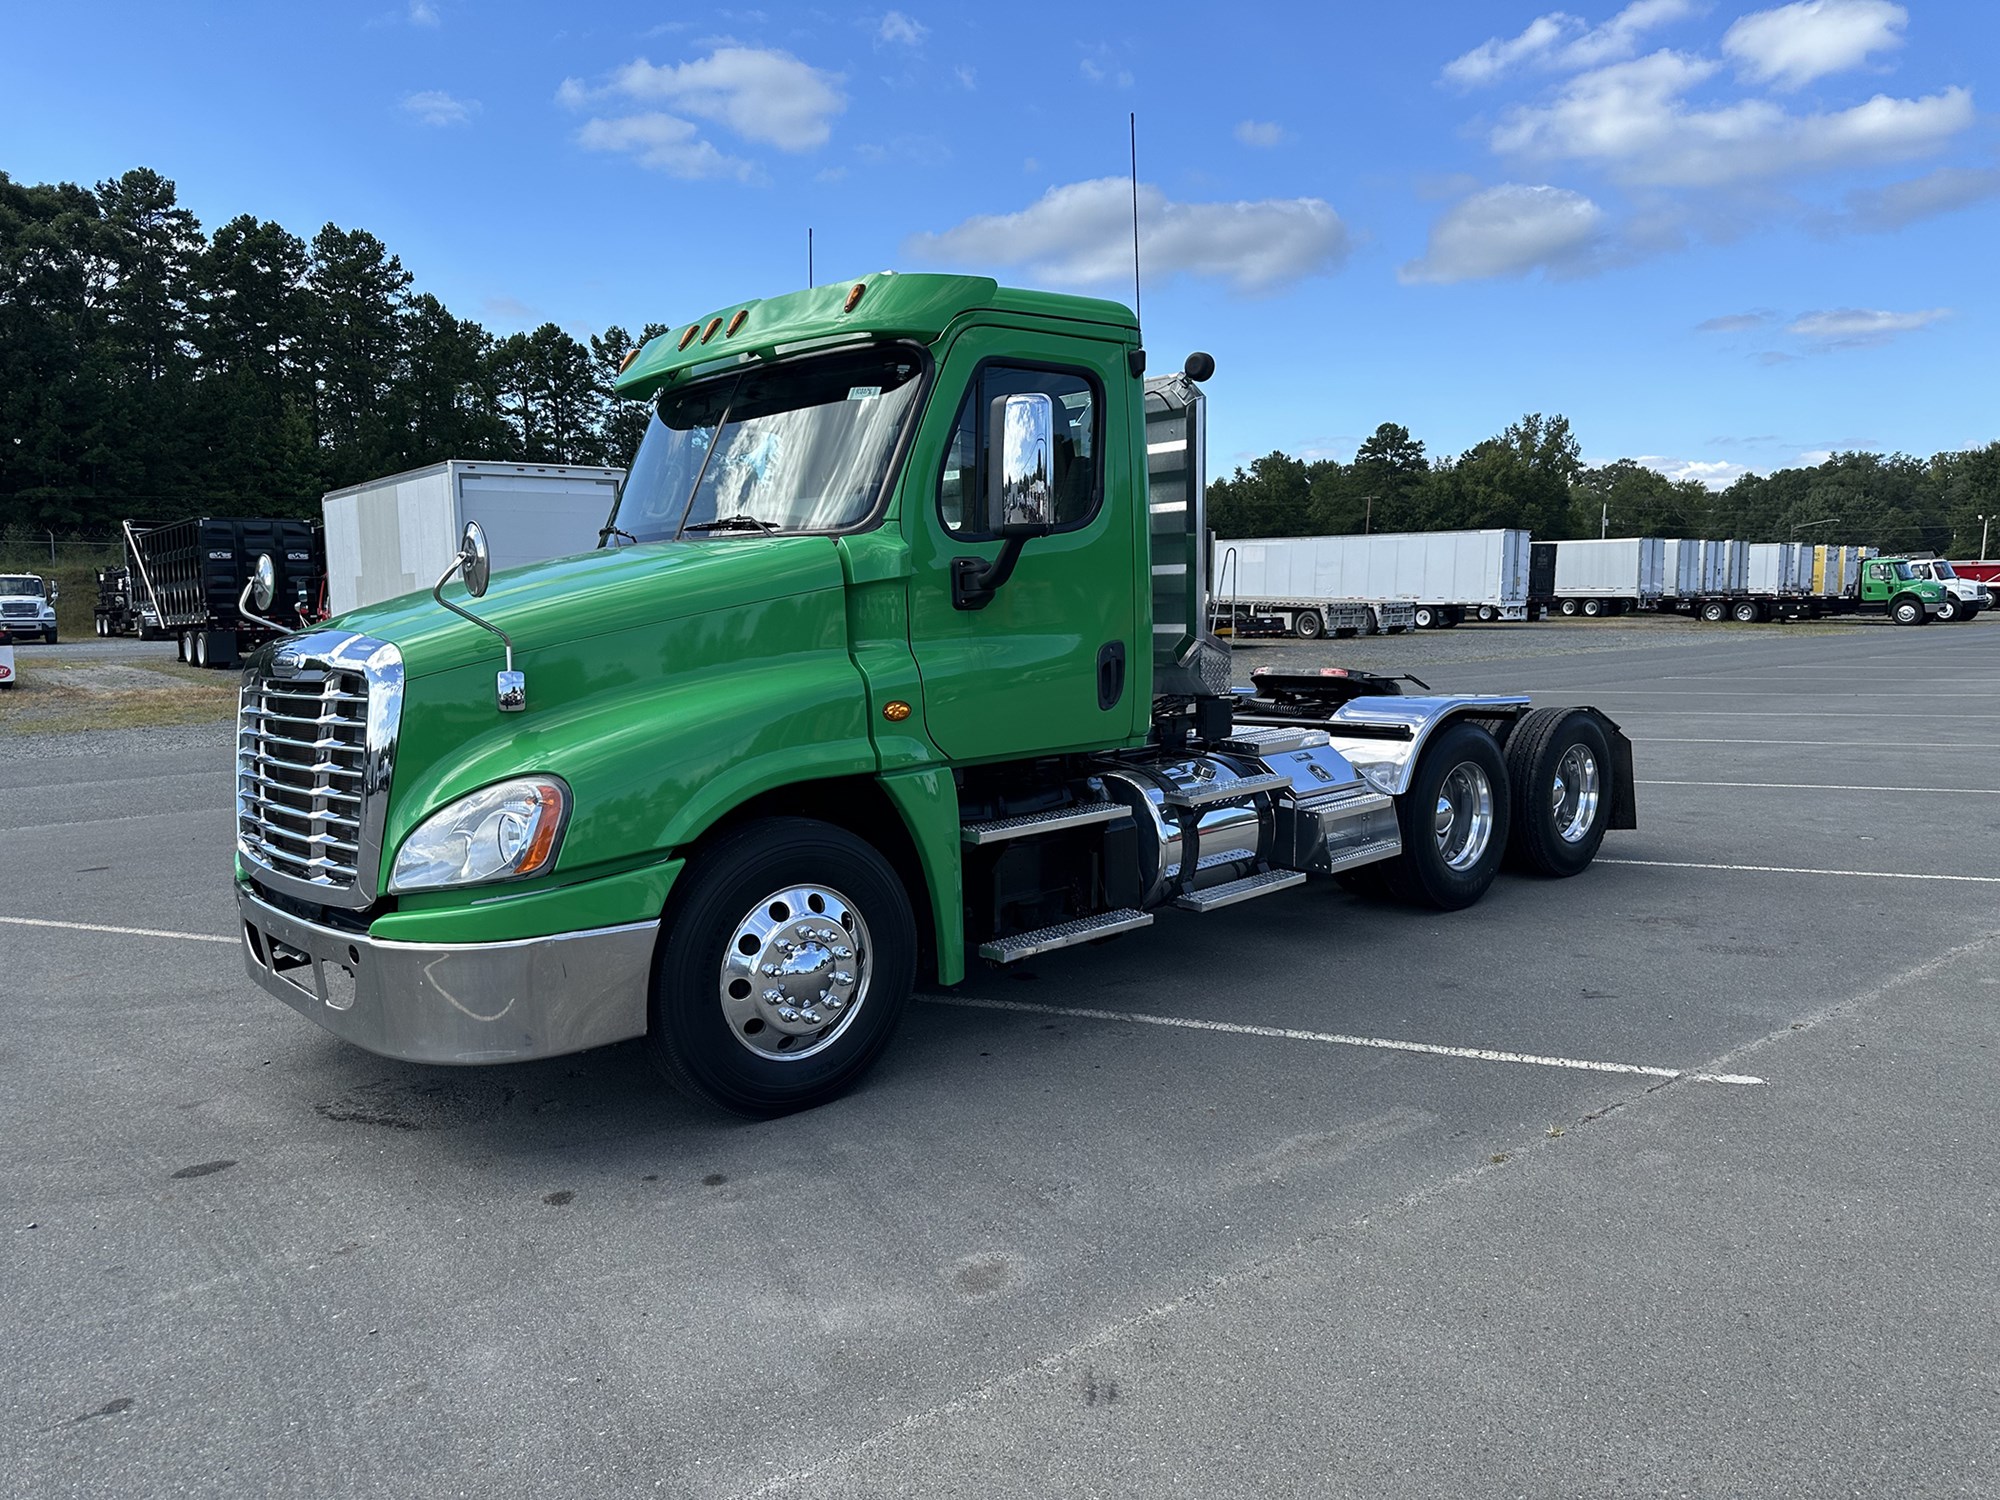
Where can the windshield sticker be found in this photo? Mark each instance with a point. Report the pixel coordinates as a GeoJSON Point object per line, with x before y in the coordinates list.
{"type": "Point", "coordinates": [863, 392]}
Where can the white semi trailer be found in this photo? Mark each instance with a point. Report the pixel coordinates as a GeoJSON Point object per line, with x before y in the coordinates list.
{"type": "Point", "coordinates": [1444, 576]}
{"type": "Point", "coordinates": [396, 535]}
{"type": "Point", "coordinates": [1599, 576]}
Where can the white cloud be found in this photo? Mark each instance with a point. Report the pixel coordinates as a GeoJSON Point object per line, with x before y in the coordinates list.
{"type": "Point", "coordinates": [967, 79]}
{"type": "Point", "coordinates": [1558, 40]}
{"type": "Point", "coordinates": [897, 27]}
{"type": "Point", "coordinates": [436, 107]}
{"type": "Point", "coordinates": [761, 94]}
{"type": "Point", "coordinates": [1261, 133]}
{"type": "Point", "coordinates": [1510, 230]}
{"type": "Point", "coordinates": [1716, 474]}
{"type": "Point", "coordinates": [665, 143]}
{"type": "Point", "coordinates": [423, 13]}
{"type": "Point", "coordinates": [1080, 234]}
{"type": "Point", "coordinates": [1861, 327]}
{"type": "Point", "coordinates": [1105, 72]}
{"type": "Point", "coordinates": [1794, 44]}
{"type": "Point", "coordinates": [1632, 120]}
{"type": "Point", "coordinates": [1937, 192]}
{"type": "Point", "coordinates": [1733, 323]}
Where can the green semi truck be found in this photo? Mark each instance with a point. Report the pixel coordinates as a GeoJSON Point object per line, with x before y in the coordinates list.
{"type": "Point", "coordinates": [893, 658]}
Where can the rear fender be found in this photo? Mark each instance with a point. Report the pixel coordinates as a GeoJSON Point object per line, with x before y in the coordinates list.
{"type": "Point", "coordinates": [1383, 737]}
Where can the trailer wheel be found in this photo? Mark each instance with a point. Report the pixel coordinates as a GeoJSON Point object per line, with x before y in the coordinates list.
{"type": "Point", "coordinates": [1560, 768]}
{"type": "Point", "coordinates": [1426, 618]}
{"type": "Point", "coordinates": [1307, 625]}
{"type": "Point", "coordinates": [1568, 606]}
{"type": "Point", "coordinates": [1746, 612]}
{"type": "Point", "coordinates": [1593, 608]}
{"type": "Point", "coordinates": [1454, 821]}
{"type": "Point", "coordinates": [1907, 610]}
{"type": "Point", "coordinates": [1488, 614]}
{"type": "Point", "coordinates": [782, 974]}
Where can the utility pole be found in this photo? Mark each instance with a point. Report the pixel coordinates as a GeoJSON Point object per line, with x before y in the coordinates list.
{"type": "Point", "coordinates": [1604, 522]}
{"type": "Point", "coordinates": [1984, 523]}
{"type": "Point", "coordinates": [1368, 517]}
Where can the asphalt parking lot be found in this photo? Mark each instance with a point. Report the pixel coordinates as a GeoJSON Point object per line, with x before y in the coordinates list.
{"type": "Point", "coordinates": [1157, 1217]}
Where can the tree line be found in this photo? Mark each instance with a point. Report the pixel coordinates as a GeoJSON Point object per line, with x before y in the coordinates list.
{"type": "Point", "coordinates": [149, 368]}
{"type": "Point", "coordinates": [1532, 476]}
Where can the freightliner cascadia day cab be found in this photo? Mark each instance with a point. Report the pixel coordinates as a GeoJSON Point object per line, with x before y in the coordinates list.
{"type": "Point", "coordinates": [894, 658]}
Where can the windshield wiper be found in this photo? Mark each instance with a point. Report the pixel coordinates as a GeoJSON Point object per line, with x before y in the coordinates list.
{"type": "Point", "coordinates": [731, 523]}
{"type": "Point", "coordinates": [607, 531]}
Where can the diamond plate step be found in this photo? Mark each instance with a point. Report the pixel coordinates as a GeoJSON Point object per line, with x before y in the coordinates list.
{"type": "Point", "coordinates": [998, 830]}
{"type": "Point", "coordinates": [1022, 945]}
{"type": "Point", "coordinates": [1226, 791]}
{"type": "Point", "coordinates": [1249, 888]}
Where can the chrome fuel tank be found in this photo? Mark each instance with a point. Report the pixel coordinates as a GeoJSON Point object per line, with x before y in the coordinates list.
{"type": "Point", "coordinates": [1228, 804]}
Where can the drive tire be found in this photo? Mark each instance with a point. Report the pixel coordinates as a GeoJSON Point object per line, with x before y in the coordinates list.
{"type": "Point", "coordinates": [691, 1038]}
{"type": "Point", "coordinates": [1907, 611]}
{"type": "Point", "coordinates": [1421, 875]}
{"type": "Point", "coordinates": [1746, 612]}
{"type": "Point", "coordinates": [1714, 610]}
{"type": "Point", "coordinates": [1557, 834]}
{"type": "Point", "coordinates": [1307, 625]}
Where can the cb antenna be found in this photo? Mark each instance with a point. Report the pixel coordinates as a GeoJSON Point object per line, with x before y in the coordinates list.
{"type": "Point", "coordinates": [809, 255]}
{"type": "Point", "coordinates": [1132, 120]}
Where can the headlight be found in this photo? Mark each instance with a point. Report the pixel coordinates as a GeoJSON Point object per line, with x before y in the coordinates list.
{"type": "Point", "coordinates": [506, 831]}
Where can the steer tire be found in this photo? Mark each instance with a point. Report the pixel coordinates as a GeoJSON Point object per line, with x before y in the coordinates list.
{"type": "Point", "coordinates": [712, 1051]}
{"type": "Point", "coordinates": [1949, 609]}
{"type": "Point", "coordinates": [1536, 752]}
{"type": "Point", "coordinates": [1420, 875]}
{"type": "Point", "coordinates": [1907, 610]}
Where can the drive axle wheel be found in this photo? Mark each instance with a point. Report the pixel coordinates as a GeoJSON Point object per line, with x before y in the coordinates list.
{"type": "Point", "coordinates": [1454, 821]}
{"type": "Point", "coordinates": [1746, 612]}
{"type": "Point", "coordinates": [1714, 610]}
{"type": "Point", "coordinates": [1559, 766]}
{"type": "Point", "coordinates": [781, 975]}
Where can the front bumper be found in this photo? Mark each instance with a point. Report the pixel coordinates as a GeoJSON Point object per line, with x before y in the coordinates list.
{"type": "Point", "coordinates": [454, 1002]}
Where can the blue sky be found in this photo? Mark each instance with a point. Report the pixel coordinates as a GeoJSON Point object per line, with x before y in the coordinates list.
{"type": "Point", "coordinates": [1717, 236]}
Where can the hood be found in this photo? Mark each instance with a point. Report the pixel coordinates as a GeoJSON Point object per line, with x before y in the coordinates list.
{"type": "Point", "coordinates": [568, 599]}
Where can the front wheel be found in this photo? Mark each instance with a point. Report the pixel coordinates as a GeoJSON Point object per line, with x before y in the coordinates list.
{"type": "Point", "coordinates": [1559, 768]}
{"type": "Point", "coordinates": [1454, 821]}
{"type": "Point", "coordinates": [1907, 611]}
{"type": "Point", "coordinates": [1948, 610]}
{"type": "Point", "coordinates": [782, 974]}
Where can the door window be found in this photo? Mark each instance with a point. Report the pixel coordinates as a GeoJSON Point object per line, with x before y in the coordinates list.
{"type": "Point", "coordinates": [1079, 467]}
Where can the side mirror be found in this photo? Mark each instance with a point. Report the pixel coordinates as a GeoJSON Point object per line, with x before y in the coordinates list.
{"type": "Point", "coordinates": [55, 591]}
{"type": "Point", "coordinates": [263, 583]}
{"type": "Point", "coordinates": [476, 563]}
{"type": "Point", "coordinates": [1020, 481]}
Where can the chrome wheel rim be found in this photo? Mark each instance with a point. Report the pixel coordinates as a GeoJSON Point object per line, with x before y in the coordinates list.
{"type": "Point", "coordinates": [1575, 793]}
{"type": "Point", "coordinates": [795, 972]}
{"type": "Point", "coordinates": [1464, 818]}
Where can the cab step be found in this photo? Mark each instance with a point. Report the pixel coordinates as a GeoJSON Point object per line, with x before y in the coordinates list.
{"type": "Point", "coordinates": [1249, 888]}
{"type": "Point", "coordinates": [1020, 945]}
{"type": "Point", "coordinates": [1225, 791]}
{"type": "Point", "coordinates": [1081, 815]}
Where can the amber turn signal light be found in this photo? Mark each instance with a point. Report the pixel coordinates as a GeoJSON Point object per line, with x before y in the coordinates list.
{"type": "Point", "coordinates": [895, 710]}
{"type": "Point", "coordinates": [854, 296]}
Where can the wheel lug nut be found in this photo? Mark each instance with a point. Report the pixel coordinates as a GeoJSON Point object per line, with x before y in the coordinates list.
{"type": "Point", "coordinates": [774, 997]}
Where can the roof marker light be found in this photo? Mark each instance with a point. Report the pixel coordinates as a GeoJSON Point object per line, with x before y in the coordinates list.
{"type": "Point", "coordinates": [713, 324]}
{"type": "Point", "coordinates": [854, 296]}
{"type": "Point", "coordinates": [688, 337]}
{"type": "Point", "coordinates": [736, 322]}
{"type": "Point", "coordinates": [626, 363]}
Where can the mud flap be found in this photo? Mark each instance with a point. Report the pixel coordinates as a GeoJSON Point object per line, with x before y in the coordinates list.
{"type": "Point", "coordinates": [1624, 795]}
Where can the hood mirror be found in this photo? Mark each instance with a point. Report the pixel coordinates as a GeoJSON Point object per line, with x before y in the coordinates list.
{"type": "Point", "coordinates": [473, 560]}
{"type": "Point", "coordinates": [263, 583]}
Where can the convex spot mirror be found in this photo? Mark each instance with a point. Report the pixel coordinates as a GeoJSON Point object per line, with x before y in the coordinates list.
{"type": "Point", "coordinates": [263, 582]}
{"type": "Point", "coordinates": [475, 562]}
{"type": "Point", "coordinates": [1020, 481]}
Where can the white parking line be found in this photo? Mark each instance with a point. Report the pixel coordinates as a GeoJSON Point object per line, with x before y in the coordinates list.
{"type": "Point", "coordinates": [1881, 744]}
{"type": "Point", "coordinates": [1289, 1034]}
{"type": "Point", "coordinates": [1820, 786]}
{"type": "Point", "coordinates": [1689, 864]}
{"type": "Point", "coordinates": [186, 937]}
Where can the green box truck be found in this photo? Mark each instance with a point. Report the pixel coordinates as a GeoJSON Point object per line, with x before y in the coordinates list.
{"type": "Point", "coordinates": [894, 657]}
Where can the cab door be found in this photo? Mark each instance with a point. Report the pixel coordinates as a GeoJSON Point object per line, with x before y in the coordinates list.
{"type": "Point", "coordinates": [1055, 660]}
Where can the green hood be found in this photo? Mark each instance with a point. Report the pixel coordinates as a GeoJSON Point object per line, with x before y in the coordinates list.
{"type": "Point", "coordinates": [569, 599]}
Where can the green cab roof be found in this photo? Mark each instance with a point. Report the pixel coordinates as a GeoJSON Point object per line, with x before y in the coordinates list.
{"type": "Point", "coordinates": [884, 305]}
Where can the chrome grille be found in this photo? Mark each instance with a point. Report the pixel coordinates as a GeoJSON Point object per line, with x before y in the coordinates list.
{"type": "Point", "coordinates": [18, 611]}
{"type": "Point", "coordinates": [315, 735]}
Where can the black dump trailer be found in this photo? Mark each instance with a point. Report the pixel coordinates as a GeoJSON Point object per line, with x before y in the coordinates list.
{"type": "Point", "coordinates": [193, 572]}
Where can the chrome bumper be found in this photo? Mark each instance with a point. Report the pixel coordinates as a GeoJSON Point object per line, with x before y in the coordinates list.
{"type": "Point", "coordinates": [454, 1002]}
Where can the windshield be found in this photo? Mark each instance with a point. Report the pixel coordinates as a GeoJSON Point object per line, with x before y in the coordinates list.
{"type": "Point", "coordinates": [1942, 569]}
{"type": "Point", "coordinates": [15, 584]}
{"type": "Point", "coordinates": [1901, 571]}
{"type": "Point", "coordinates": [800, 446]}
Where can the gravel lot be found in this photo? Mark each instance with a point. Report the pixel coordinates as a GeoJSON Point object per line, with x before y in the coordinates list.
{"type": "Point", "coordinates": [1041, 1252]}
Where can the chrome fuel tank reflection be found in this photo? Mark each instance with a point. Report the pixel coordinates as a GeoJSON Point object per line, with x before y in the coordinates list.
{"type": "Point", "coordinates": [1229, 838]}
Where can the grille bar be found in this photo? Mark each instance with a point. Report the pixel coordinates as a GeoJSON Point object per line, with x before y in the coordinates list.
{"type": "Point", "coordinates": [301, 772]}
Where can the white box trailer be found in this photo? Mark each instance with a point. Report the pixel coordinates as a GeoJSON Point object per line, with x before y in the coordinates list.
{"type": "Point", "coordinates": [395, 535]}
{"type": "Point", "coordinates": [1725, 567]}
{"type": "Point", "coordinates": [1773, 569]}
{"type": "Point", "coordinates": [1607, 575]}
{"type": "Point", "coordinates": [1680, 567]}
{"type": "Point", "coordinates": [1447, 576]}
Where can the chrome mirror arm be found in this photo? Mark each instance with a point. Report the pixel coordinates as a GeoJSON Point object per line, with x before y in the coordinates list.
{"type": "Point", "coordinates": [511, 689]}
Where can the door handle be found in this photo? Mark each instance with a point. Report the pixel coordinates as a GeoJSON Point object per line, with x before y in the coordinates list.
{"type": "Point", "coordinates": [1110, 674]}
